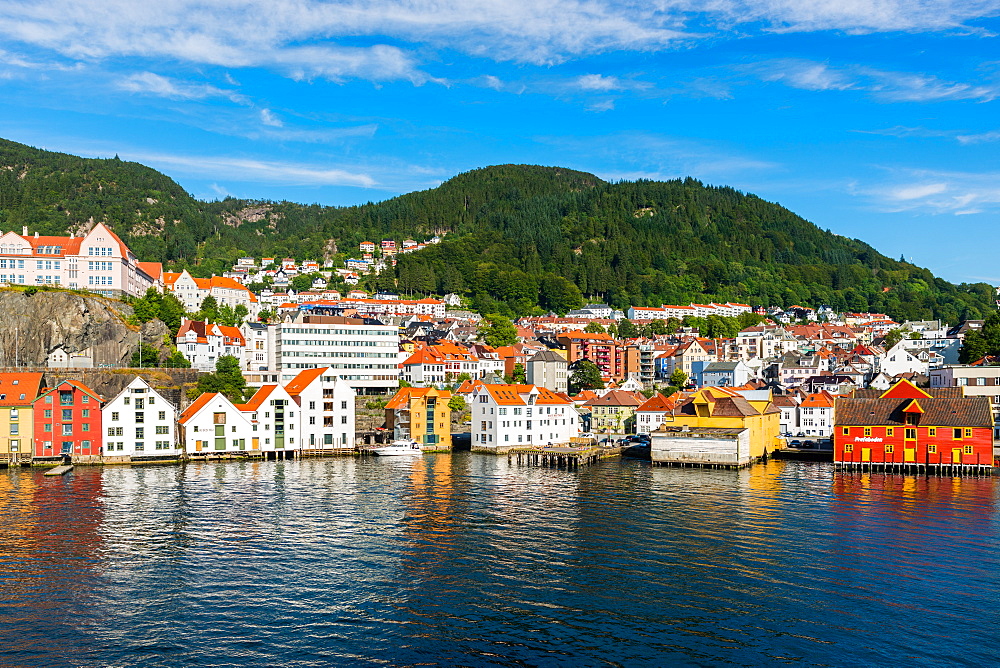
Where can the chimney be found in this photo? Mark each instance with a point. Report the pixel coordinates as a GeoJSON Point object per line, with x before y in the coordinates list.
{"type": "Point", "coordinates": [24, 231]}
{"type": "Point", "coordinates": [36, 235]}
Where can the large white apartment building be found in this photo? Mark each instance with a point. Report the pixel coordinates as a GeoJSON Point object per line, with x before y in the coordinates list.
{"type": "Point", "coordinates": [511, 415]}
{"type": "Point", "coordinates": [390, 307]}
{"type": "Point", "coordinates": [192, 291]}
{"type": "Point", "coordinates": [364, 353]}
{"type": "Point", "coordinates": [97, 261]}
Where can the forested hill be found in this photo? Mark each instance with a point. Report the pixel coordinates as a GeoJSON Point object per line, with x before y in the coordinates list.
{"type": "Point", "coordinates": [519, 238]}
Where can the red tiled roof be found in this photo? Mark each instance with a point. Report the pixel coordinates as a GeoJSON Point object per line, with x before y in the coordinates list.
{"type": "Point", "coordinates": [196, 406]}
{"type": "Point", "coordinates": [16, 383]}
{"type": "Point", "coordinates": [303, 380]}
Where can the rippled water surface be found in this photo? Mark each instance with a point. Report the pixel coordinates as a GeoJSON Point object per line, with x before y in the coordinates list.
{"type": "Point", "coordinates": [462, 560]}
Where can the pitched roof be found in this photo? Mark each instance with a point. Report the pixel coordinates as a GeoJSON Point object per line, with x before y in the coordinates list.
{"type": "Point", "coordinates": [154, 269]}
{"type": "Point", "coordinates": [659, 403]}
{"type": "Point", "coordinates": [947, 412]}
{"type": "Point", "coordinates": [16, 383]}
{"type": "Point", "coordinates": [258, 398]}
{"type": "Point", "coordinates": [616, 398]}
{"type": "Point", "coordinates": [303, 380]}
{"type": "Point", "coordinates": [197, 405]}
{"type": "Point", "coordinates": [402, 397]}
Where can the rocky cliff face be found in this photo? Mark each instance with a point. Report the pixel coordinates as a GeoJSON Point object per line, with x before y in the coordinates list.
{"type": "Point", "coordinates": [34, 326]}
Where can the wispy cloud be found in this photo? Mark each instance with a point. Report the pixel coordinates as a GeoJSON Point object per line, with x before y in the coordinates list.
{"type": "Point", "coordinates": [938, 192]}
{"type": "Point", "coordinates": [149, 83]}
{"type": "Point", "coordinates": [259, 171]}
{"type": "Point", "coordinates": [980, 138]}
{"type": "Point", "coordinates": [882, 85]}
{"type": "Point", "coordinates": [268, 118]}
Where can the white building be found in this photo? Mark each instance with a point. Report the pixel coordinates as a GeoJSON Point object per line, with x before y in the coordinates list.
{"type": "Point", "coordinates": [192, 291]}
{"type": "Point", "coordinates": [363, 353]}
{"type": "Point", "coordinates": [203, 343]}
{"type": "Point", "coordinates": [213, 425]}
{"type": "Point", "coordinates": [899, 360]}
{"type": "Point", "coordinates": [139, 423]}
{"type": "Point", "coordinates": [326, 409]}
{"type": "Point", "coordinates": [97, 261]}
{"type": "Point", "coordinates": [512, 415]}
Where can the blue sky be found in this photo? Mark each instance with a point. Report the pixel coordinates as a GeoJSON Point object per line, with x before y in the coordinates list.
{"type": "Point", "coordinates": [877, 119]}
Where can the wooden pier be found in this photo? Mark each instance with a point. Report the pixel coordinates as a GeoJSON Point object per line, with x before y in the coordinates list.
{"type": "Point", "coordinates": [561, 457]}
{"type": "Point", "coordinates": [59, 470]}
{"type": "Point", "coordinates": [911, 468]}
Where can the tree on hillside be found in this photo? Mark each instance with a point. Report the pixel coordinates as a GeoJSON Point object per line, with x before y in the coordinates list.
{"type": "Point", "coordinates": [595, 328]}
{"type": "Point", "coordinates": [171, 312]}
{"type": "Point", "coordinates": [177, 361]}
{"type": "Point", "coordinates": [227, 379]}
{"type": "Point", "coordinates": [586, 376]}
{"type": "Point", "coordinates": [145, 356]}
{"type": "Point", "coordinates": [982, 343]}
{"type": "Point", "coordinates": [147, 307]}
{"type": "Point", "coordinates": [457, 404]}
{"type": "Point", "coordinates": [209, 311]}
{"type": "Point", "coordinates": [626, 330]}
{"type": "Point", "coordinates": [518, 374]}
{"type": "Point", "coordinates": [893, 337]}
{"type": "Point", "coordinates": [678, 378]}
{"type": "Point", "coordinates": [498, 331]}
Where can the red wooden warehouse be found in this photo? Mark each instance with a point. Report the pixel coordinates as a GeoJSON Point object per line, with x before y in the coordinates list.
{"type": "Point", "coordinates": [68, 422]}
{"type": "Point", "coordinates": [908, 429]}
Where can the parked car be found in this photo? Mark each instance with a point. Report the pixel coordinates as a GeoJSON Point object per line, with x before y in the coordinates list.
{"type": "Point", "coordinates": [795, 444]}
{"type": "Point", "coordinates": [808, 444]}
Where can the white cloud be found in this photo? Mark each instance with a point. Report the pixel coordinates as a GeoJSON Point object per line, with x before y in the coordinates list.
{"type": "Point", "coordinates": [938, 192]}
{"type": "Point", "coordinates": [882, 85]}
{"type": "Point", "coordinates": [154, 84]}
{"type": "Point", "coordinates": [856, 16]}
{"type": "Point", "coordinates": [805, 74]}
{"type": "Point", "coordinates": [268, 118]}
{"type": "Point", "coordinates": [982, 137]}
{"type": "Point", "coordinates": [917, 191]}
{"type": "Point", "coordinates": [258, 171]}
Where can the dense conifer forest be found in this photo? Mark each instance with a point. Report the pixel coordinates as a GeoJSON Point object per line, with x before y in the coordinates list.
{"type": "Point", "coordinates": [519, 239]}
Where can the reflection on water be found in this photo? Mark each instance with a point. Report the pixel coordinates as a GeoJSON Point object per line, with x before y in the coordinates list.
{"type": "Point", "coordinates": [463, 560]}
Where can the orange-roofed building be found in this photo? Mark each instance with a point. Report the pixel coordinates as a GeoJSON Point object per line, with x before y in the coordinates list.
{"type": "Point", "coordinates": [326, 411]}
{"type": "Point", "coordinates": [192, 291]}
{"type": "Point", "coordinates": [601, 349]}
{"type": "Point", "coordinates": [17, 392]}
{"type": "Point", "coordinates": [420, 414]}
{"type": "Point", "coordinates": [654, 410]}
{"type": "Point", "coordinates": [67, 423]}
{"type": "Point", "coordinates": [203, 343]}
{"type": "Point", "coordinates": [505, 416]}
{"type": "Point", "coordinates": [98, 261]}
{"type": "Point", "coordinates": [213, 425]}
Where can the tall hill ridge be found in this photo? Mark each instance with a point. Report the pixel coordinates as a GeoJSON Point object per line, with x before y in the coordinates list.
{"type": "Point", "coordinates": [519, 238]}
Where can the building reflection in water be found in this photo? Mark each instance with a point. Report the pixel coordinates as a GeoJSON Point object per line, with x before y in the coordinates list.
{"type": "Point", "coordinates": [50, 546]}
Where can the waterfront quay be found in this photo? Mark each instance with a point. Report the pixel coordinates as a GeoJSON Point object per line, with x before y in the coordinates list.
{"type": "Point", "coordinates": [562, 456]}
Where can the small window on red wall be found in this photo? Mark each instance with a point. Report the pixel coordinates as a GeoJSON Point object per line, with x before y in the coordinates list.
{"type": "Point", "coordinates": [846, 431]}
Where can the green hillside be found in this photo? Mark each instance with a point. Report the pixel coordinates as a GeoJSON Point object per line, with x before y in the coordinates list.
{"type": "Point", "coordinates": [520, 238]}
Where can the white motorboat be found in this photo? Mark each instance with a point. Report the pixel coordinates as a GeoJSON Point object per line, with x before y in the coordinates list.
{"type": "Point", "coordinates": [398, 448]}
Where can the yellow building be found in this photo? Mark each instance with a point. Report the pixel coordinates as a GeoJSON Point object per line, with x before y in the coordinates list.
{"type": "Point", "coordinates": [719, 425]}
{"type": "Point", "coordinates": [17, 391]}
{"type": "Point", "coordinates": [613, 412]}
{"type": "Point", "coordinates": [421, 414]}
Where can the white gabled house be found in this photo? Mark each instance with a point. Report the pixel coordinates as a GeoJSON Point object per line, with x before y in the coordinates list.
{"type": "Point", "coordinates": [325, 405]}
{"type": "Point", "coordinates": [517, 415]}
{"type": "Point", "coordinates": [139, 424]}
{"type": "Point", "coordinates": [213, 425]}
{"type": "Point", "coordinates": [274, 420]}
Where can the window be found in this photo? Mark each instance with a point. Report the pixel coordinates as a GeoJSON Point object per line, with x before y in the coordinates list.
{"type": "Point", "coordinates": [956, 434]}
{"type": "Point", "coordinates": [312, 405]}
{"type": "Point", "coordinates": [140, 417]}
{"type": "Point", "coordinates": [868, 431]}
{"type": "Point", "coordinates": [849, 447]}
{"type": "Point", "coordinates": [162, 415]}
{"type": "Point", "coordinates": [932, 431]}
{"type": "Point", "coordinates": [86, 426]}
{"type": "Point", "coordinates": [931, 449]}
{"type": "Point", "coordinates": [67, 414]}
{"type": "Point", "coordinates": [111, 431]}
{"type": "Point", "coordinates": [139, 446]}
{"type": "Point", "coordinates": [48, 412]}
{"type": "Point", "coordinates": [13, 429]}
{"type": "Point", "coordinates": [889, 448]}
{"type": "Point", "coordinates": [67, 430]}
{"type": "Point", "coordinates": [343, 405]}
{"type": "Point", "coordinates": [967, 449]}
{"type": "Point", "coordinates": [140, 432]}
{"type": "Point", "coordinates": [910, 434]}
{"type": "Point", "coordinates": [162, 429]}
{"type": "Point", "coordinates": [218, 418]}
{"type": "Point", "coordinates": [968, 433]}
{"type": "Point", "coordinates": [891, 431]}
